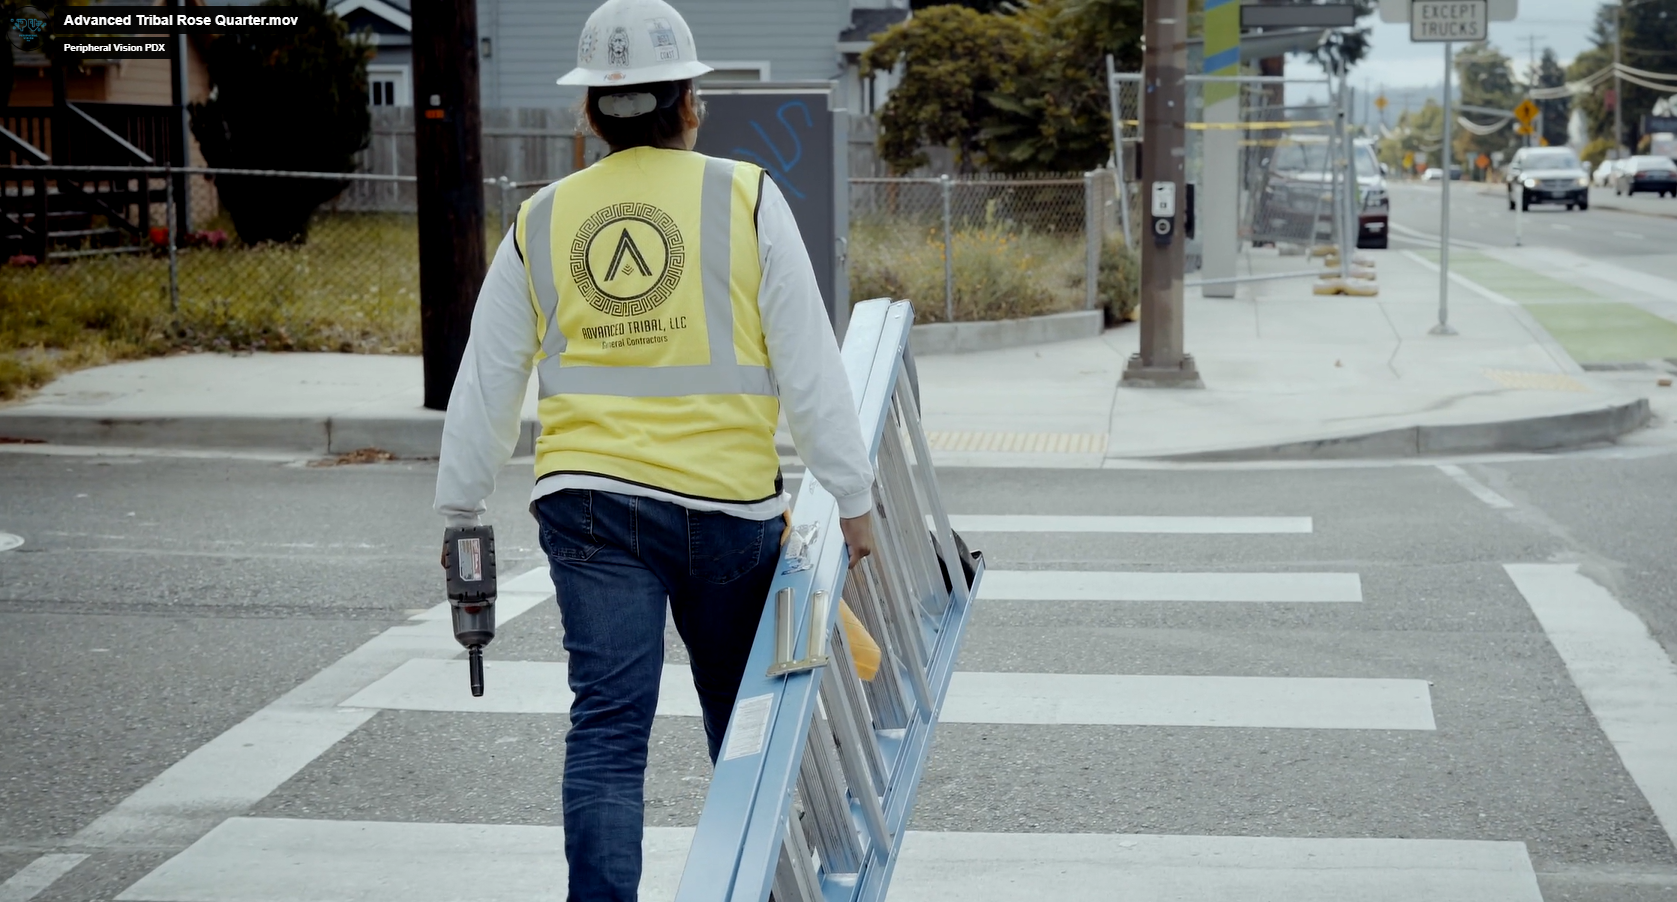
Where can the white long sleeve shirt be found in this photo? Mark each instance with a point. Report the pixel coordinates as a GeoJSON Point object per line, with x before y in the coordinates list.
{"type": "Point", "coordinates": [481, 428]}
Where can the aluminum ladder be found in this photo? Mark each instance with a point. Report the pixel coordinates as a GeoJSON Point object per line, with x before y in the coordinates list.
{"type": "Point", "coordinates": [815, 783]}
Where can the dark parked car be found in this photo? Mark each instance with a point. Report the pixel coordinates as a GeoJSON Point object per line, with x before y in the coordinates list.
{"type": "Point", "coordinates": [1650, 175]}
{"type": "Point", "coordinates": [1547, 175]}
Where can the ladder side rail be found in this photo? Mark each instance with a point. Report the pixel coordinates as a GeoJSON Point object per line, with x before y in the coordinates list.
{"type": "Point", "coordinates": [874, 365]}
{"type": "Point", "coordinates": [742, 830]}
{"type": "Point", "coordinates": [876, 876]}
{"type": "Point", "coordinates": [927, 479]}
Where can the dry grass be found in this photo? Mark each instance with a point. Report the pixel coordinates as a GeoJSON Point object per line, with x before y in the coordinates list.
{"type": "Point", "coordinates": [353, 287]}
{"type": "Point", "coordinates": [1002, 271]}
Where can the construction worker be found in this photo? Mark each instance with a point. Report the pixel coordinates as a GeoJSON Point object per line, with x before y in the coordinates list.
{"type": "Point", "coordinates": [669, 308]}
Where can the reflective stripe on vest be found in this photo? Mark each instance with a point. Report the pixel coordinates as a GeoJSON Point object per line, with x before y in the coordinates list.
{"type": "Point", "coordinates": [723, 375]}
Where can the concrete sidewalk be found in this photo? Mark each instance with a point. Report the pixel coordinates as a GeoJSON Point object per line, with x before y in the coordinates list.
{"type": "Point", "coordinates": [1288, 375]}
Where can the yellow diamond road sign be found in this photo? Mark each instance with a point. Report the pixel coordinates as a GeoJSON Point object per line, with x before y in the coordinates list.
{"type": "Point", "coordinates": [1525, 112]}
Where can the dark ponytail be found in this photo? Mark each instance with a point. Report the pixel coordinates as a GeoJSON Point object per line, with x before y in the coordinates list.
{"type": "Point", "coordinates": [661, 127]}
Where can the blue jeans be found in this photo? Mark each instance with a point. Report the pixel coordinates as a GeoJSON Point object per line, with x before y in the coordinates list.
{"type": "Point", "coordinates": [615, 559]}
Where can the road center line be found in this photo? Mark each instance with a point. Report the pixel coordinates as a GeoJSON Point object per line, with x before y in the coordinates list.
{"type": "Point", "coordinates": [1637, 235]}
{"type": "Point", "coordinates": [1628, 681]}
{"type": "Point", "coordinates": [1475, 487]}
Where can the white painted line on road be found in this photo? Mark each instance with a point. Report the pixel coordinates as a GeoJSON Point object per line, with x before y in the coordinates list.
{"type": "Point", "coordinates": [1474, 487]}
{"type": "Point", "coordinates": [271, 860]}
{"type": "Point", "coordinates": [9, 541]}
{"type": "Point", "coordinates": [1433, 239]}
{"type": "Point", "coordinates": [1637, 235]}
{"type": "Point", "coordinates": [238, 768]}
{"type": "Point", "coordinates": [540, 687]}
{"type": "Point", "coordinates": [1305, 703]}
{"type": "Point", "coordinates": [1627, 679]}
{"type": "Point", "coordinates": [1459, 279]}
{"type": "Point", "coordinates": [1100, 585]}
{"type": "Point", "coordinates": [1163, 525]}
{"type": "Point", "coordinates": [37, 875]}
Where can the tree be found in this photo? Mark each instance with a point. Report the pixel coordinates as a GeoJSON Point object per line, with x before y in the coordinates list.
{"type": "Point", "coordinates": [1052, 113]}
{"type": "Point", "coordinates": [1022, 90]}
{"type": "Point", "coordinates": [1487, 80]}
{"type": "Point", "coordinates": [1418, 132]}
{"type": "Point", "coordinates": [1649, 32]}
{"type": "Point", "coordinates": [1353, 45]}
{"type": "Point", "coordinates": [284, 101]}
{"type": "Point", "coordinates": [1556, 113]}
{"type": "Point", "coordinates": [950, 57]}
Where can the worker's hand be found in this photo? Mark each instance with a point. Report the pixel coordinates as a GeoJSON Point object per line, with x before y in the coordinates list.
{"type": "Point", "coordinates": [858, 534]}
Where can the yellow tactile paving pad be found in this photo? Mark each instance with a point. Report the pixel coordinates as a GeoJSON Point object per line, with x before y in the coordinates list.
{"type": "Point", "coordinates": [1536, 381]}
{"type": "Point", "coordinates": [1020, 442]}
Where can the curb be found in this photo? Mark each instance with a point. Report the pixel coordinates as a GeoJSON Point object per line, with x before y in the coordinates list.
{"type": "Point", "coordinates": [416, 437]}
{"type": "Point", "coordinates": [1543, 433]}
{"type": "Point", "coordinates": [957, 338]}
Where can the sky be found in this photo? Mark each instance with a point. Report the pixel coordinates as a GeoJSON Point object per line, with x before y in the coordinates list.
{"type": "Point", "coordinates": [1397, 64]}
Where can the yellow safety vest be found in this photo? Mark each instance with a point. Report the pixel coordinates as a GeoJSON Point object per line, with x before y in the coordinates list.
{"type": "Point", "coordinates": [653, 369]}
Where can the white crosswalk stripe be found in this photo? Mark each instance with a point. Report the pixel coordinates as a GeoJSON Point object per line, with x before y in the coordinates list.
{"type": "Point", "coordinates": [262, 859]}
{"type": "Point", "coordinates": [510, 863]}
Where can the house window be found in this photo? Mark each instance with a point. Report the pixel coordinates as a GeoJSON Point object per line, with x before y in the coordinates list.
{"type": "Point", "coordinates": [388, 86]}
{"type": "Point", "coordinates": [730, 70]}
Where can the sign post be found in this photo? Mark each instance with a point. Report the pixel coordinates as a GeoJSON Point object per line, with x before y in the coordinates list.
{"type": "Point", "coordinates": [1447, 21]}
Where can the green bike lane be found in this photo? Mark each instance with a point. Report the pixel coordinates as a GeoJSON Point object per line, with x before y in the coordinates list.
{"type": "Point", "coordinates": [1600, 314]}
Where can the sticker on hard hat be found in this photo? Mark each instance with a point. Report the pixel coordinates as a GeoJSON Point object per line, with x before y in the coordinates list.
{"type": "Point", "coordinates": [585, 48]}
{"type": "Point", "coordinates": [627, 259]}
{"type": "Point", "coordinates": [663, 39]}
{"type": "Point", "coordinates": [617, 48]}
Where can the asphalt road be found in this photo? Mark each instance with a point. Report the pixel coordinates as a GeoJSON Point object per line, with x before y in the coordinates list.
{"type": "Point", "coordinates": [1479, 217]}
{"type": "Point", "coordinates": [157, 602]}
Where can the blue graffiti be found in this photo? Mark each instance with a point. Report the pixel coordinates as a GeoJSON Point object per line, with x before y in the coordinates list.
{"type": "Point", "coordinates": [781, 169]}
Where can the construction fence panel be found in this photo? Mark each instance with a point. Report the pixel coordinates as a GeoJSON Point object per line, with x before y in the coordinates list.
{"type": "Point", "coordinates": [1290, 166]}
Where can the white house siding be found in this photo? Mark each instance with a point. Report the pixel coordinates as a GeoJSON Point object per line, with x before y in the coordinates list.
{"type": "Point", "coordinates": [534, 42]}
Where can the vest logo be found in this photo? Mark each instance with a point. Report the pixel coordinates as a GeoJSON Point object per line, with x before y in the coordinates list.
{"type": "Point", "coordinates": [627, 259]}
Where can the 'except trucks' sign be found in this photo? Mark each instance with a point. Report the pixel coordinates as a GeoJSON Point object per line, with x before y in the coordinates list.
{"type": "Point", "coordinates": [1448, 20]}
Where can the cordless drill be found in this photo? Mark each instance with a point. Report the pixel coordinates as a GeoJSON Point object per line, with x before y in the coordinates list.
{"type": "Point", "coordinates": [469, 560]}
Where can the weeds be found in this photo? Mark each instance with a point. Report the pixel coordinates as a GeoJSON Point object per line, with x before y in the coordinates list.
{"type": "Point", "coordinates": [1002, 271]}
{"type": "Point", "coordinates": [354, 287]}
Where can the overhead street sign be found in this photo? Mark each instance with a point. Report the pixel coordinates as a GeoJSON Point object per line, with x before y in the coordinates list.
{"type": "Point", "coordinates": [1526, 111]}
{"type": "Point", "coordinates": [1463, 21]}
{"type": "Point", "coordinates": [1398, 10]}
{"type": "Point", "coordinates": [1323, 15]}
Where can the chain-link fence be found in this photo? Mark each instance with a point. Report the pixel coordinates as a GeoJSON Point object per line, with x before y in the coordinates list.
{"type": "Point", "coordinates": [98, 249]}
{"type": "Point", "coordinates": [979, 248]}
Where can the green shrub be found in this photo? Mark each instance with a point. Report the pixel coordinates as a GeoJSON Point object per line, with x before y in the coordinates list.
{"type": "Point", "coordinates": [1001, 272]}
{"type": "Point", "coordinates": [1119, 285]}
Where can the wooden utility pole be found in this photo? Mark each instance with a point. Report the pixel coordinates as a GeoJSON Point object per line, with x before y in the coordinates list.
{"type": "Point", "coordinates": [181, 138]}
{"type": "Point", "coordinates": [447, 136]}
{"type": "Point", "coordinates": [1164, 79]}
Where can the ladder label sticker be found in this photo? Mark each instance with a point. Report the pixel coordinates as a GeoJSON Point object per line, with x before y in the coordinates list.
{"type": "Point", "coordinates": [749, 727]}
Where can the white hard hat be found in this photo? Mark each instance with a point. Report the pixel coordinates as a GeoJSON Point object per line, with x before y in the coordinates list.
{"type": "Point", "coordinates": [634, 42]}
